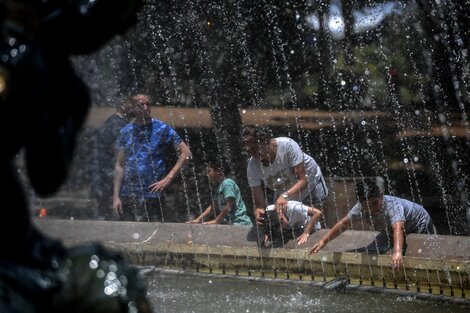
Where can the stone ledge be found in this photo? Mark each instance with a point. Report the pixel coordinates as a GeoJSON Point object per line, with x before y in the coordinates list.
{"type": "Point", "coordinates": [81, 231]}
{"type": "Point", "coordinates": [441, 266]}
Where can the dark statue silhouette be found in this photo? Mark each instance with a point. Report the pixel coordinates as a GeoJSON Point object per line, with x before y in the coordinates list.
{"type": "Point", "coordinates": [43, 104]}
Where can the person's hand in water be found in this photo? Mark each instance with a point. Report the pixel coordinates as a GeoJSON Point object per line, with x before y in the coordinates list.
{"type": "Point", "coordinates": [195, 221]}
{"type": "Point", "coordinates": [302, 239]}
{"type": "Point", "coordinates": [317, 247]}
{"type": "Point", "coordinates": [397, 260]}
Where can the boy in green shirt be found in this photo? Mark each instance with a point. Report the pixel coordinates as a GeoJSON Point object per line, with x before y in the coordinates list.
{"type": "Point", "coordinates": [229, 205]}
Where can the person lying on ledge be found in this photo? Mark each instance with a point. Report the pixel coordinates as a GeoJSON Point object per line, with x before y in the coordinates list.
{"type": "Point", "coordinates": [229, 206]}
{"type": "Point", "coordinates": [386, 213]}
{"type": "Point", "coordinates": [295, 221]}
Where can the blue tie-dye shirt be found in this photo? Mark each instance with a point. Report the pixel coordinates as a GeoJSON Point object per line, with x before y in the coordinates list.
{"type": "Point", "coordinates": [146, 149]}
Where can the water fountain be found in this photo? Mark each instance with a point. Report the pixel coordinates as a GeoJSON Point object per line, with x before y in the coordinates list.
{"type": "Point", "coordinates": [388, 98]}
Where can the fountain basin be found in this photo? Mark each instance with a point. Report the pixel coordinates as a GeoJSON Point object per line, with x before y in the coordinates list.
{"type": "Point", "coordinates": [435, 266]}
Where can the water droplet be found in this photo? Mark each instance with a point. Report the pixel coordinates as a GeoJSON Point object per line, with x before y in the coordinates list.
{"type": "Point", "coordinates": [442, 118]}
{"type": "Point", "coordinates": [405, 160]}
{"type": "Point", "coordinates": [100, 274]}
{"type": "Point", "coordinates": [135, 236]}
{"type": "Point", "coordinates": [111, 276]}
{"type": "Point", "coordinates": [343, 83]}
{"type": "Point", "coordinates": [420, 250]}
{"type": "Point", "coordinates": [93, 264]}
{"type": "Point", "coordinates": [109, 290]}
{"type": "Point", "coordinates": [113, 268]}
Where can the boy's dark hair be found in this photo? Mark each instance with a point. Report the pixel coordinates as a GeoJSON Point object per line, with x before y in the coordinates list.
{"type": "Point", "coordinates": [275, 232]}
{"type": "Point", "coordinates": [221, 164]}
{"type": "Point", "coordinates": [369, 188]}
{"type": "Point", "coordinates": [261, 134]}
{"type": "Point", "coordinates": [272, 228]}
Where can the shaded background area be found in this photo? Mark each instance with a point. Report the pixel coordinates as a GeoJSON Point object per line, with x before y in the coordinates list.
{"type": "Point", "coordinates": [387, 82]}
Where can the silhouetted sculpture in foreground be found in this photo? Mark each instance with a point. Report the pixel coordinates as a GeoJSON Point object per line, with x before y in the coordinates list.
{"type": "Point", "coordinates": [43, 104]}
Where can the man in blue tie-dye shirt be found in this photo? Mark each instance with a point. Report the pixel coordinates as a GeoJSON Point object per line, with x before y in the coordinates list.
{"type": "Point", "coordinates": [140, 171]}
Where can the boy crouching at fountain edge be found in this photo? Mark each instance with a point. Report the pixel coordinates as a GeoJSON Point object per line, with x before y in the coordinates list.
{"type": "Point", "coordinates": [229, 206]}
{"type": "Point", "coordinates": [295, 221]}
{"type": "Point", "coordinates": [386, 213]}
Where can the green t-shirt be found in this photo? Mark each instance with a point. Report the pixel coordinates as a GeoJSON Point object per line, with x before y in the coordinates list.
{"type": "Point", "coordinates": [237, 215]}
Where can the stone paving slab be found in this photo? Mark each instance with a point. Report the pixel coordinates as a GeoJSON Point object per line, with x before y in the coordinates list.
{"type": "Point", "coordinates": [431, 246]}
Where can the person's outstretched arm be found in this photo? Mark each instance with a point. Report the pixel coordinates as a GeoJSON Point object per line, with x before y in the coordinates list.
{"type": "Point", "coordinates": [117, 183]}
{"type": "Point", "coordinates": [184, 155]}
{"type": "Point", "coordinates": [300, 184]}
{"type": "Point", "coordinates": [331, 234]}
{"type": "Point", "coordinates": [398, 238]}
{"type": "Point", "coordinates": [315, 214]}
{"type": "Point", "coordinates": [201, 217]}
{"type": "Point", "coordinates": [229, 204]}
